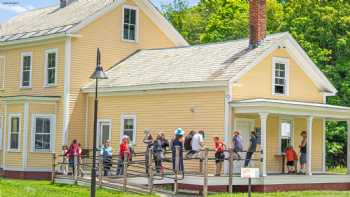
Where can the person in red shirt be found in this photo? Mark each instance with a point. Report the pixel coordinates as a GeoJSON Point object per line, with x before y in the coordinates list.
{"type": "Point", "coordinates": [291, 156]}
{"type": "Point", "coordinates": [72, 152]}
{"type": "Point", "coordinates": [123, 148]}
{"type": "Point", "coordinates": [219, 154]}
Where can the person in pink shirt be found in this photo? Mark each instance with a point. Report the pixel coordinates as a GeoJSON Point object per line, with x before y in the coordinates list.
{"type": "Point", "coordinates": [73, 151]}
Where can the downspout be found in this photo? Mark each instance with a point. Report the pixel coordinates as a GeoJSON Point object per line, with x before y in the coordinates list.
{"type": "Point", "coordinates": [227, 119]}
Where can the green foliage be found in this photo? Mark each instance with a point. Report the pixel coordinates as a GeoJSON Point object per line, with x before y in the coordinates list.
{"type": "Point", "coordinates": [322, 28]}
{"type": "Point", "coordinates": [288, 194]}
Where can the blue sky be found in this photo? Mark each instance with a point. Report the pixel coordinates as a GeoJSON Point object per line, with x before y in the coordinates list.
{"type": "Point", "coordinates": [9, 8]}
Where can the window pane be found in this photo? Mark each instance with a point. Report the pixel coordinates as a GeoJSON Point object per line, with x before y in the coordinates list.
{"type": "Point", "coordinates": [26, 78]}
{"type": "Point", "coordinates": [279, 89]}
{"type": "Point", "coordinates": [14, 125]}
{"type": "Point", "coordinates": [285, 130]}
{"type": "Point", "coordinates": [46, 124]}
{"type": "Point", "coordinates": [126, 15]}
{"type": "Point", "coordinates": [14, 141]}
{"type": "Point", "coordinates": [126, 31]}
{"type": "Point", "coordinates": [39, 125]}
{"type": "Point", "coordinates": [46, 142]}
{"type": "Point", "coordinates": [105, 133]}
{"type": "Point", "coordinates": [51, 76]}
{"type": "Point", "coordinates": [51, 60]}
{"type": "Point", "coordinates": [128, 124]}
{"type": "Point", "coordinates": [133, 17]}
{"type": "Point", "coordinates": [129, 133]}
{"type": "Point", "coordinates": [132, 32]}
{"type": "Point", "coordinates": [284, 144]}
{"type": "Point", "coordinates": [26, 62]}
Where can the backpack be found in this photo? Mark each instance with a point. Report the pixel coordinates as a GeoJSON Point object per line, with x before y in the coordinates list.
{"type": "Point", "coordinates": [187, 143]}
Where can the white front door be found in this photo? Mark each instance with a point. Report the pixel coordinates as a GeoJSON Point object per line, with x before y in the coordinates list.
{"type": "Point", "coordinates": [104, 132]}
{"type": "Point", "coordinates": [244, 126]}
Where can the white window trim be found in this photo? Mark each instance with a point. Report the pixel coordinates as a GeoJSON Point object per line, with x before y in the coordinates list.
{"type": "Point", "coordinates": [137, 24]}
{"type": "Point", "coordinates": [284, 61]}
{"type": "Point", "coordinates": [128, 116]}
{"type": "Point", "coordinates": [14, 115]}
{"type": "Point", "coordinates": [46, 67]}
{"type": "Point", "coordinates": [52, 118]}
{"type": "Point", "coordinates": [2, 83]}
{"type": "Point", "coordinates": [104, 121]}
{"type": "Point", "coordinates": [31, 68]}
{"type": "Point", "coordinates": [285, 119]}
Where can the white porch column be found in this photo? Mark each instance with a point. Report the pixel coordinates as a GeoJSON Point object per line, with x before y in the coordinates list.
{"type": "Point", "coordinates": [309, 145]}
{"type": "Point", "coordinates": [263, 125]}
{"type": "Point", "coordinates": [348, 153]}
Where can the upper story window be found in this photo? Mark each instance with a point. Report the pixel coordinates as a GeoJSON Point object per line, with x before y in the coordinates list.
{"type": "Point", "coordinates": [130, 23]}
{"type": "Point", "coordinates": [50, 67]}
{"type": "Point", "coordinates": [280, 73]}
{"type": "Point", "coordinates": [26, 70]}
{"type": "Point", "coordinates": [128, 127]}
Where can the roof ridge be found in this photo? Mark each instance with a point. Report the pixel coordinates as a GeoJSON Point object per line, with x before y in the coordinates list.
{"type": "Point", "coordinates": [212, 43]}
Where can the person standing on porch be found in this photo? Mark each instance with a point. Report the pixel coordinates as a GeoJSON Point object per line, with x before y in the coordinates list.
{"type": "Point", "coordinates": [219, 154]}
{"type": "Point", "coordinates": [291, 156]}
{"type": "Point", "coordinates": [197, 144]}
{"type": "Point", "coordinates": [147, 140]}
{"type": "Point", "coordinates": [251, 149]}
{"type": "Point", "coordinates": [106, 153]}
{"type": "Point", "coordinates": [178, 141]}
{"type": "Point", "coordinates": [303, 149]}
{"type": "Point", "coordinates": [237, 144]}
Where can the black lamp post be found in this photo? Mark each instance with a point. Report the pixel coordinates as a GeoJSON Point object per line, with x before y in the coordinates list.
{"type": "Point", "coordinates": [98, 74]}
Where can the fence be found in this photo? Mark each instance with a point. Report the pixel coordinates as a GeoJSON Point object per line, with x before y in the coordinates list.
{"type": "Point", "coordinates": [120, 169]}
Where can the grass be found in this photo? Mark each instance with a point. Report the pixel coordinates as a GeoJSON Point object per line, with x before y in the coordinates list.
{"type": "Point", "coordinates": [291, 194]}
{"type": "Point", "coordinates": [338, 170]}
{"type": "Point", "coordinates": [24, 188]}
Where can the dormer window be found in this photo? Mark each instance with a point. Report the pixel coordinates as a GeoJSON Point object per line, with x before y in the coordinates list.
{"type": "Point", "coordinates": [130, 23]}
{"type": "Point", "coordinates": [280, 72]}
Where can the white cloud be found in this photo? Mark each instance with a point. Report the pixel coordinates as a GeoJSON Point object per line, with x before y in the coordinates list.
{"type": "Point", "coordinates": [15, 8]}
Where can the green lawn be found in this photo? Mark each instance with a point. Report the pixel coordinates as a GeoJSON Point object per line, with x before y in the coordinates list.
{"type": "Point", "coordinates": [290, 194]}
{"type": "Point", "coordinates": [339, 170]}
{"type": "Point", "coordinates": [20, 188]}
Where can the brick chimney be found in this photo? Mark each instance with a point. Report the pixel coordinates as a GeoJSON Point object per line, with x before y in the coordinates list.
{"type": "Point", "coordinates": [64, 3]}
{"type": "Point", "coordinates": [257, 22]}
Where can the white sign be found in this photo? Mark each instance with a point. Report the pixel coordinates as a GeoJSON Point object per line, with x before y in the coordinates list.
{"type": "Point", "coordinates": [250, 173]}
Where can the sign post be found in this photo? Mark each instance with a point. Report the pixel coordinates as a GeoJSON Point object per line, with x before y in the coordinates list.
{"type": "Point", "coordinates": [250, 173]}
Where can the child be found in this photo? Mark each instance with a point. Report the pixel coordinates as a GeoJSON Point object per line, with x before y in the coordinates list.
{"type": "Point", "coordinates": [219, 154]}
{"type": "Point", "coordinates": [291, 156]}
{"type": "Point", "coordinates": [64, 167]}
{"type": "Point", "coordinates": [123, 148]}
{"type": "Point", "coordinates": [178, 142]}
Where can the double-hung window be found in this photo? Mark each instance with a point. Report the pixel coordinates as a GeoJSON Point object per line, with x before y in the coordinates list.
{"type": "Point", "coordinates": [286, 134]}
{"type": "Point", "coordinates": [50, 67]}
{"type": "Point", "coordinates": [280, 77]}
{"type": "Point", "coordinates": [14, 131]}
{"type": "Point", "coordinates": [42, 131]}
{"type": "Point", "coordinates": [26, 70]}
{"type": "Point", "coordinates": [128, 127]}
{"type": "Point", "coordinates": [130, 23]}
{"type": "Point", "coordinates": [104, 132]}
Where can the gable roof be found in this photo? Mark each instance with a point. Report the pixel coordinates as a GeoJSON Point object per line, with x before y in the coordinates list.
{"type": "Point", "coordinates": [200, 65]}
{"type": "Point", "coordinates": [50, 21]}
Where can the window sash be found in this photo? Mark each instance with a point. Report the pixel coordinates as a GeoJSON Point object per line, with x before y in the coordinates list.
{"type": "Point", "coordinates": [51, 64]}
{"type": "Point", "coordinates": [129, 24]}
{"type": "Point", "coordinates": [42, 134]}
{"type": "Point", "coordinates": [14, 133]}
{"type": "Point", "coordinates": [26, 70]}
{"type": "Point", "coordinates": [280, 79]}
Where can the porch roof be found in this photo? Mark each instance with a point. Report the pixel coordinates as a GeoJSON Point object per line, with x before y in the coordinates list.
{"type": "Point", "coordinates": [291, 108]}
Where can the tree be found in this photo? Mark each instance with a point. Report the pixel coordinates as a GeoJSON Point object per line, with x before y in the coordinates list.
{"type": "Point", "coordinates": [321, 27]}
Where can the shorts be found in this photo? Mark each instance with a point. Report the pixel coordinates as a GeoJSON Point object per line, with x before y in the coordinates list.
{"type": "Point", "coordinates": [302, 158]}
{"type": "Point", "coordinates": [290, 163]}
{"type": "Point", "coordinates": [219, 157]}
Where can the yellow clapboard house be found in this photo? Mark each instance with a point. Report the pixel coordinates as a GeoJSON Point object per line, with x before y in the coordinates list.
{"type": "Point", "coordinates": [156, 81]}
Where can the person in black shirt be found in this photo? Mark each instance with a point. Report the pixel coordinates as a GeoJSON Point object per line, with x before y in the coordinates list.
{"type": "Point", "coordinates": [303, 147]}
{"type": "Point", "coordinates": [252, 148]}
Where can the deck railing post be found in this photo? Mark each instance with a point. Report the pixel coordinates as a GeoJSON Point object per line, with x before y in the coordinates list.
{"type": "Point", "coordinates": [205, 168]}
{"type": "Point", "coordinates": [53, 168]}
{"type": "Point", "coordinates": [100, 170]}
{"type": "Point", "coordinates": [150, 170]}
{"type": "Point", "coordinates": [177, 167]}
{"type": "Point", "coordinates": [230, 170]}
{"type": "Point", "coordinates": [125, 171]}
{"type": "Point", "coordinates": [75, 158]}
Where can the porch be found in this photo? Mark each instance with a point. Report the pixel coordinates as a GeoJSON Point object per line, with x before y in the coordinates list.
{"type": "Point", "coordinates": [271, 118]}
